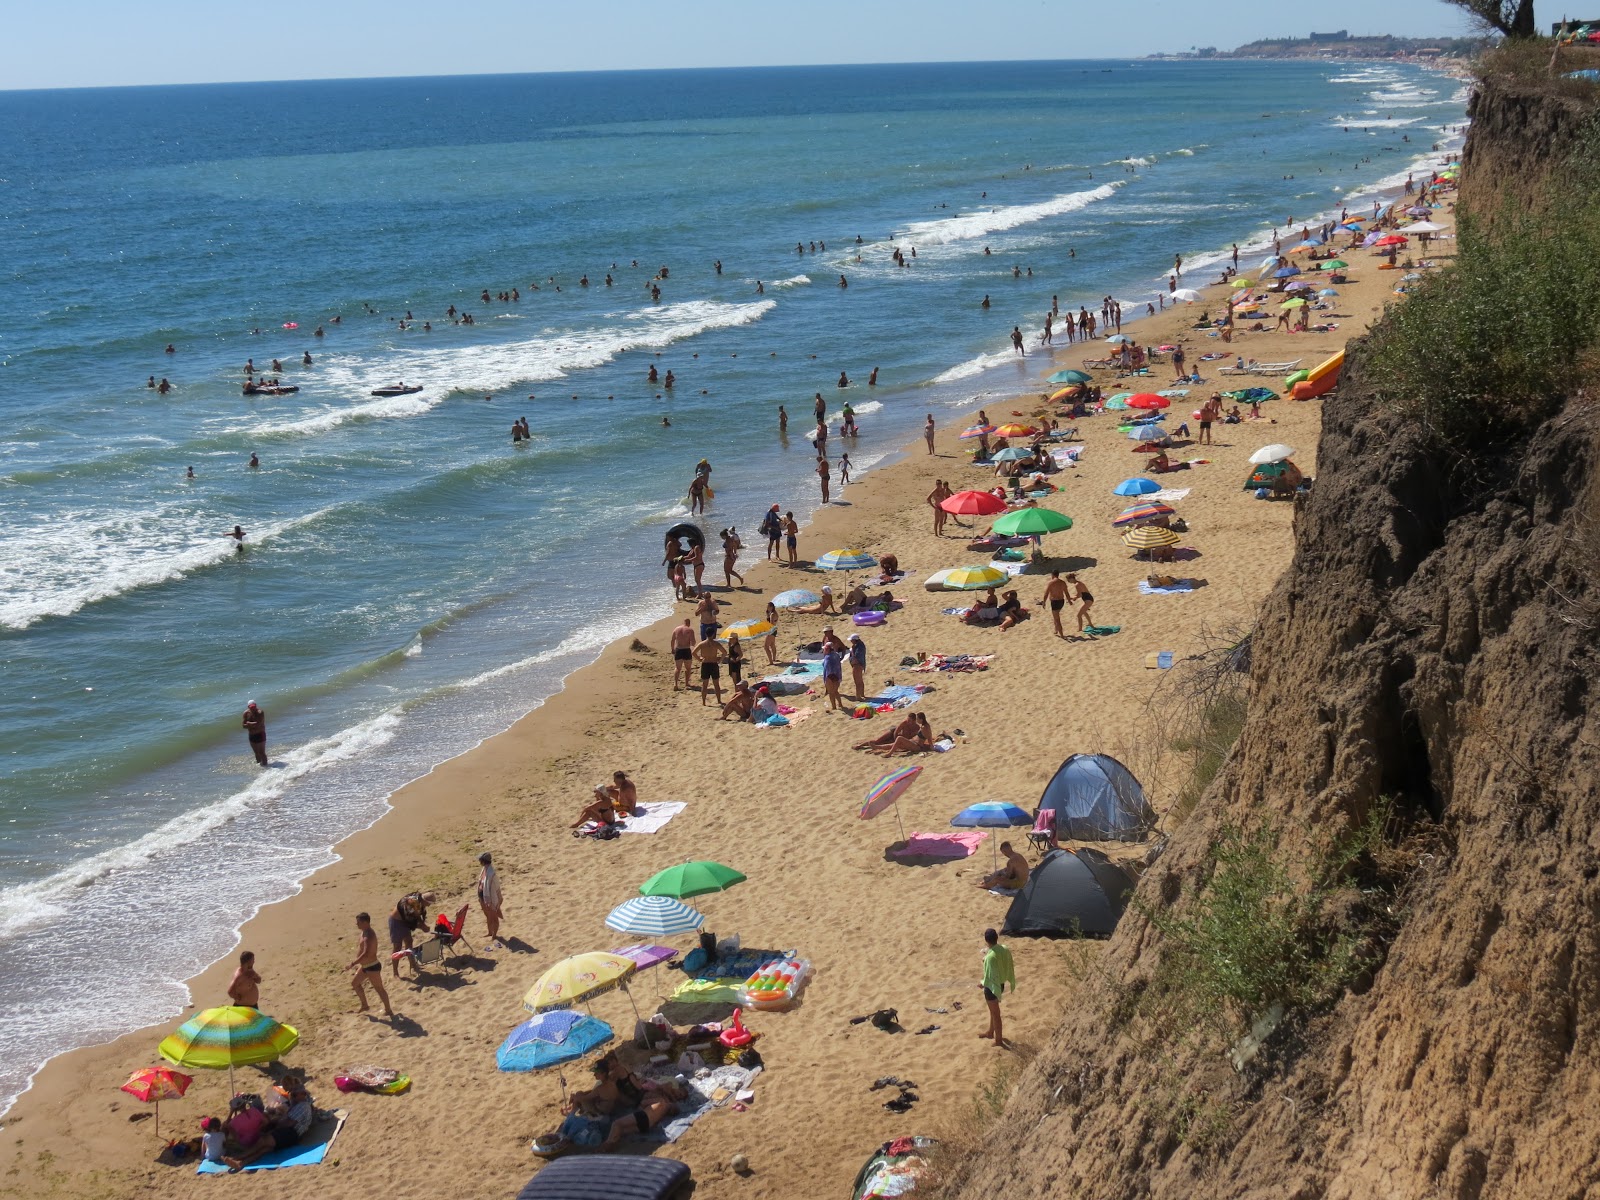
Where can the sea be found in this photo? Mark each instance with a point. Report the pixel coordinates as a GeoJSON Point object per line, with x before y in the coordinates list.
{"type": "Point", "coordinates": [412, 582]}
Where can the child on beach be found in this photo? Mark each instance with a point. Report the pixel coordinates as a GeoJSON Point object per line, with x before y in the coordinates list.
{"type": "Point", "coordinates": [211, 1139]}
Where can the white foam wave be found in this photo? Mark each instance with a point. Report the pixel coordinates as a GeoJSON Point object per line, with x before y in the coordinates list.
{"type": "Point", "coordinates": [28, 904]}
{"type": "Point", "coordinates": [590, 638]}
{"type": "Point", "coordinates": [996, 220]}
{"type": "Point", "coordinates": [1131, 162]}
{"type": "Point", "coordinates": [1185, 152]}
{"type": "Point", "coordinates": [792, 281]}
{"type": "Point", "coordinates": [1373, 122]}
{"type": "Point", "coordinates": [81, 558]}
{"type": "Point", "coordinates": [974, 366]}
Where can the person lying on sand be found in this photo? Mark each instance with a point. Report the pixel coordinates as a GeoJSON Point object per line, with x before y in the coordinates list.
{"type": "Point", "coordinates": [917, 743]}
{"type": "Point", "coordinates": [1013, 875]}
{"type": "Point", "coordinates": [854, 599]}
{"type": "Point", "coordinates": [824, 605]}
{"type": "Point", "coordinates": [635, 1105]}
{"type": "Point", "coordinates": [905, 728]}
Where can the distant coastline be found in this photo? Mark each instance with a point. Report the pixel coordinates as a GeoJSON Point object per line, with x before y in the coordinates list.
{"type": "Point", "coordinates": [1340, 44]}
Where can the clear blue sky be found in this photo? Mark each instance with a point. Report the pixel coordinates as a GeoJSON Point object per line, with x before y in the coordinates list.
{"type": "Point", "coordinates": [84, 43]}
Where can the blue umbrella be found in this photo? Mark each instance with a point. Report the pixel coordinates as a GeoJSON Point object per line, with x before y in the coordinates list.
{"type": "Point", "coordinates": [991, 814]}
{"type": "Point", "coordinates": [1136, 487]}
{"type": "Point", "coordinates": [655, 916]}
{"type": "Point", "coordinates": [794, 598]}
{"type": "Point", "coordinates": [1285, 272]}
{"type": "Point", "coordinates": [1327, 291]}
{"type": "Point", "coordinates": [1148, 432]}
{"type": "Point", "coordinates": [526, 1049]}
{"type": "Point", "coordinates": [1012, 454]}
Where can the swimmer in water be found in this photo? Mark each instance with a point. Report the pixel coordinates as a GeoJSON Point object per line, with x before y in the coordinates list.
{"type": "Point", "coordinates": [238, 536]}
{"type": "Point", "coordinates": [305, 359]}
{"type": "Point", "coordinates": [844, 380]}
{"type": "Point", "coordinates": [666, 422]}
{"type": "Point", "coordinates": [190, 474]}
{"type": "Point", "coordinates": [255, 463]}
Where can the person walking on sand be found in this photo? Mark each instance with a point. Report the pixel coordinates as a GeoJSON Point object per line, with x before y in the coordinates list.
{"type": "Point", "coordinates": [857, 655]}
{"type": "Point", "coordinates": [1056, 595]}
{"type": "Point", "coordinates": [367, 968]}
{"type": "Point", "coordinates": [998, 971]}
{"type": "Point", "coordinates": [927, 432]}
{"type": "Point", "coordinates": [682, 654]}
{"type": "Point", "coordinates": [823, 476]}
{"type": "Point", "coordinates": [731, 545]}
{"type": "Point", "coordinates": [244, 990]}
{"type": "Point", "coordinates": [936, 498]}
{"type": "Point", "coordinates": [255, 728]}
{"type": "Point", "coordinates": [489, 897]}
{"type": "Point", "coordinates": [1084, 599]}
{"type": "Point", "coordinates": [709, 655]}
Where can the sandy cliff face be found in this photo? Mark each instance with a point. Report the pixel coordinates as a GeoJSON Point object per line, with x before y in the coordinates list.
{"type": "Point", "coordinates": [1435, 641]}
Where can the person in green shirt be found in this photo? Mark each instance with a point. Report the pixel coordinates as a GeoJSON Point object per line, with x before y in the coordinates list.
{"type": "Point", "coordinates": [998, 970]}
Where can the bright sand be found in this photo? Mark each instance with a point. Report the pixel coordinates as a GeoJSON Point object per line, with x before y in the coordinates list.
{"type": "Point", "coordinates": [779, 805]}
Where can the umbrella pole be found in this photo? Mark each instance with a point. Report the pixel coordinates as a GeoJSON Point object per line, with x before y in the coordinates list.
{"type": "Point", "coordinates": [158, 1118]}
{"type": "Point", "coordinates": [899, 822]}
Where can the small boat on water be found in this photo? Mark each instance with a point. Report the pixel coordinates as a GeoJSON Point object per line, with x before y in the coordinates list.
{"type": "Point", "coordinates": [397, 389]}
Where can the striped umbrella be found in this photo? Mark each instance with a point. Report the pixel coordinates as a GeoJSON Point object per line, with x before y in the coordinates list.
{"type": "Point", "coordinates": [968, 579]}
{"type": "Point", "coordinates": [152, 1085]}
{"type": "Point", "coordinates": [578, 978]}
{"type": "Point", "coordinates": [655, 916]}
{"type": "Point", "coordinates": [886, 791]}
{"type": "Point", "coordinates": [228, 1037]}
{"type": "Point", "coordinates": [973, 504]}
{"type": "Point", "coordinates": [794, 598]}
{"type": "Point", "coordinates": [1140, 513]}
{"type": "Point", "coordinates": [1015, 431]}
{"type": "Point", "coordinates": [754, 627]}
{"type": "Point", "coordinates": [977, 431]}
{"type": "Point", "coordinates": [1032, 520]}
{"type": "Point", "coordinates": [846, 560]}
{"type": "Point", "coordinates": [1148, 537]}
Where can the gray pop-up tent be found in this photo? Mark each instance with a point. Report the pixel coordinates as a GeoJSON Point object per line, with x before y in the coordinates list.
{"type": "Point", "coordinates": [1097, 799]}
{"type": "Point", "coordinates": [1071, 893]}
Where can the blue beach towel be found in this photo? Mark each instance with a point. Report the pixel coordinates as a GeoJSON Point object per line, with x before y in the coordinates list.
{"type": "Point", "coordinates": [302, 1155]}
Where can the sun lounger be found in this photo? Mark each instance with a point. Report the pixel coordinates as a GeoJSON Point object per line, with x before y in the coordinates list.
{"type": "Point", "coordinates": [1277, 368]}
{"type": "Point", "coordinates": [1098, 364]}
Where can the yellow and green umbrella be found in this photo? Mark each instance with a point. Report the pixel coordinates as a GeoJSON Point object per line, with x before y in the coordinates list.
{"type": "Point", "coordinates": [970, 579]}
{"type": "Point", "coordinates": [753, 628]}
{"type": "Point", "coordinates": [1148, 537]}
{"type": "Point", "coordinates": [228, 1037]}
{"type": "Point", "coordinates": [576, 979]}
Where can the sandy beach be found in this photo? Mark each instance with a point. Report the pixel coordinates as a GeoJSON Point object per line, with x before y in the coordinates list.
{"type": "Point", "coordinates": [778, 804]}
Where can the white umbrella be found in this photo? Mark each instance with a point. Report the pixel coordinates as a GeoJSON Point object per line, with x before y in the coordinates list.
{"type": "Point", "coordinates": [1186, 294]}
{"type": "Point", "coordinates": [1423, 227]}
{"type": "Point", "coordinates": [1276, 452]}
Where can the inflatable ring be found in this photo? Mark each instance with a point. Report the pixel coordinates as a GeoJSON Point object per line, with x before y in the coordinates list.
{"type": "Point", "coordinates": [685, 531]}
{"type": "Point", "coordinates": [871, 617]}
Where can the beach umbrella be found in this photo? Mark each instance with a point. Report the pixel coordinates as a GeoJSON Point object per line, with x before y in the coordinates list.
{"type": "Point", "coordinates": [1418, 210]}
{"type": "Point", "coordinates": [1136, 486]}
{"type": "Point", "coordinates": [691, 879]}
{"type": "Point", "coordinates": [1119, 401]}
{"type": "Point", "coordinates": [1299, 285]}
{"type": "Point", "coordinates": [753, 627]}
{"type": "Point", "coordinates": [1148, 537]}
{"type": "Point", "coordinates": [885, 792]}
{"type": "Point", "coordinates": [1371, 238]}
{"type": "Point", "coordinates": [152, 1085]}
{"type": "Point", "coordinates": [1327, 291]}
{"type": "Point", "coordinates": [1276, 452]}
{"type": "Point", "coordinates": [977, 431]}
{"type": "Point", "coordinates": [551, 1038]}
{"type": "Point", "coordinates": [581, 977]}
{"type": "Point", "coordinates": [794, 598]}
{"type": "Point", "coordinates": [1424, 227]}
{"type": "Point", "coordinates": [1393, 239]}
{"type": "Point", "coordinates": [1072, 390]}
{"type": "Point", "coordinates": [1270, 261]}
{"type": "Point", "coordinates": [654, 916]}
{"type": "Point", "coordinates": [1297, 302]}
{"type": "Point", "coordinates": [1139, 513]}
{"type": "Point", "coordinates": [1015, 431]}
{"type": "Point", "coordinates": [228, 1037]}
{"type": "Point", "coordinates": [1073, 376]}
{"type": "Point", "coordinates": [1333, 264]}
{"type": "Point", "coordinates": [970, 579]}
{"type": "Point", "coordinates": [1148, 400]}
{"type": "Point", "coordinates": [1013, 454]}
{"type": "Point", "coordinates": [1148, 432]}
{"type": "Point", "coordinates": [1187, 295]}
{"type": "Point", "coordinates": [1239, 283]}
{"type": "Point", "coordinates": [1285, 272]}
{"type": "Point", "coordinates": [973, 504]}
{"type": "Point", "coordinates": [1117, 339]}
{"type": "Point", "coordinates": [1032, 521]}
{"type": "Point", "coordinates": [991, 814]}
{"type": "Point", "coordinates": [846, 560]}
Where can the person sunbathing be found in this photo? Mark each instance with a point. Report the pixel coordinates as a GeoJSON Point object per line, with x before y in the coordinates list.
{"type": "Point", "coordinates": [982, 610]}
{"type": "Point", "coordinates": [915, 743]}
{"type": "Point", "coordinates": [619, 798]}
{"type": "Point", "coordinates": [740, 704]}
{"type": "Point", "coordinates": [824, 605]}
{"type": "Point", "coordinates": [888, 569]}
{"type": "Point", "coordinates": [1013, 875]}
{"type": "Point", "coordinates": [1012, 612]}
{"type": "Point", "coordinates": [905, 728]}
{"type": "Point", "coordinates": [855, 598]}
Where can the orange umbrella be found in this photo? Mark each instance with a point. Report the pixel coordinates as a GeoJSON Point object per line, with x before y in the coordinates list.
{"type": "Point", "coordinates": [152, 1085]}
{"type": "Point", "coordinates": [1011, 431]}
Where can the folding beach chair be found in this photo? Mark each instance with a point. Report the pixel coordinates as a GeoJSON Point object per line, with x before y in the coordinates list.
{"type": "Point", "coordinates": [1043, 834]}
{"type": "Point", "coordinates": [449, 933]}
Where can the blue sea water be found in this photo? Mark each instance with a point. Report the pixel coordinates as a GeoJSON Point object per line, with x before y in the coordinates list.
{"type": "Point", "coordinates": [412, 582]}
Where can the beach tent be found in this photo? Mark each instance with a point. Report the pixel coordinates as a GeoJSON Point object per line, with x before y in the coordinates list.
{"type": "Point", "coordinates": [1263, 475]}
{"type": "Point", "coordinates": [1071, 893]}
{"type": "Point", "coordinates": [1097, 799]}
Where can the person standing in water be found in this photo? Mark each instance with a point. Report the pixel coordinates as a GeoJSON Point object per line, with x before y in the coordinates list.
{"type": "Point", "coordinates": [255, 728]}
{"type": "Point", "coordinates": [238, 535]}
{"type": "Point", "coordinates": [927, 433]}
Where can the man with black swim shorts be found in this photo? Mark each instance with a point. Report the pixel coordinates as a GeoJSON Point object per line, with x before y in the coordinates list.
{"type": "Point", "coordinates": [682, 654]}
{"type": "Point", "coordinates": [255, 728]}
{"type": "Point", "coordinates": [709, 655]}
{"type": "Point", "coordinates": [998, 970]}
{"type": "Point", "coordinates": [1055, 592]}
{"type": "Point", "coordinates": [367, 968]}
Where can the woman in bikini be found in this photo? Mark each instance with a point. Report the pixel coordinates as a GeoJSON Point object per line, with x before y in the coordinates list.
{"type": "Point", "coordinates": [1084, 600]}
{"type": "Point", "coordinates": [906, 728]}
{"type": "Point", "coordinates": [735, 659]}
{"type": "Point", "coordinates": [770, 642]}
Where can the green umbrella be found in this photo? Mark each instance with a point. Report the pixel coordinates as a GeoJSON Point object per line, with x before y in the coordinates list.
{"type": "Point", "coordinates": [1032, 520]}
{"type": "Point", "coordinates": [1333, 264]}
{"type": "Point", "coordinates": [1295, 303]}
{"type": "Point", "coordinates": [690, 879]}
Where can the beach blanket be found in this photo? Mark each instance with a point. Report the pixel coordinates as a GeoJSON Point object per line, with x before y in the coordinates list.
{"type": "Point", "coordinates": [1159, 660]}
{"type": "Point", "coordinates": [308, 1153]}
{"type": "Point", "coordinates": [715, 1087]}
{"type": "Point", "coordinates": [954, 662]}
{"type": "Point", "coordinates": [738, 966]}
{"type": "Point", "coordinates": [899, 695]}
{"type": "Point", "coordinates": [1102, 630]}
{"type": "Point", "coordinates": [1182, 585]}
{"type": "Point", "coordinates": [941, 845]}
{"type": "Point", "coordinates": [652, 818]}
{"type": "Point", "coordinates": [1166, 496]}
{"type": "Point", "coordinates": [709, 991]}
{"type": "Point", "coordinates": [785, 720]}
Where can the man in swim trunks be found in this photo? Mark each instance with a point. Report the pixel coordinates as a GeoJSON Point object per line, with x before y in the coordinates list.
{"type": "Point", "coordinates": [998, 970]}
{"type": "Point", "coordinates": [1013, 875]}
{"type": "Point", "coordinates": [706, 612]}
{"type": "Point", "coordinates": [709, 654]}
{"type": "Point", "coordinates": [682, 654]}
{"type": "Point", "coordinates": [255, 728]}
{"type": "Point", "coordinates": [244, 990]}
{"type": "Point", "coordinates": [367, 968]}
{"type": "Point", "coordinates": [1055, 594]}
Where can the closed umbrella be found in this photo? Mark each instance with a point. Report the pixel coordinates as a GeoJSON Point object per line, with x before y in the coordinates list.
{"type": "Point", "coordinates": [846, 560]}
{"type": "Point", "coordinates": [973, 504]}
{"type": "Point", "coordinates": [970, 579]}
{"type": "Point", "coordinates": [654, 916]}
{"type": "Point", "coordinates": [228, 1037]}
{"type": "Point", "coordinates": [1137, 486]}
{"type": "Point", "coordinates": [886, 791]}
{"type": "Point", "coordinates": [152, 1085]}
{"type": "Point", "coordinates": [795, 598]}
{"type": "Point", "coordinates": [1276, 452]}
{"type": "Point", "coordinates": [1032, 521]}
{"type": "Point", "coordinates": [691, 879]}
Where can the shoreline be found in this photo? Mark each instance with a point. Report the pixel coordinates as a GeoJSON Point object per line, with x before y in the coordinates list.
{"type": "Point", "coordinates": [423, 815]}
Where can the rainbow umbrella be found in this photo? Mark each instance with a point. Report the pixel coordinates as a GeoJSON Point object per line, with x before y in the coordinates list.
{"type": "Point", "coordinates": [1137, 486]}
{"type": "Point", "coordinates": [846, 560]}
{"type": "Point", "coordinates": [973, 504]}
{"type": "Point", "coordinates": [228, 1037]}
{"type": "Point", "coordinates": [1032, 521]}
{"type": "Point", "coordinates": [1140, 513]}
{"type": "Point", "coordinates": [970, 579]}
{"type": "Point", "coordinates": [691, 879]}
{"type": "Point", "coordinates": [580, 977]}
{"type": "Point", "coordinates": [886, 791]}
{"type": "Point", "coordinates": [977, 431]}
{"type": "Point", "coordinates": [1015, 431]}
{"type": "Point", "coordinates": [152, 1085]}
{"type": "Point", "coordinates": [754, 627]}
{"type": "Point", "coordinates": [1148, 537]}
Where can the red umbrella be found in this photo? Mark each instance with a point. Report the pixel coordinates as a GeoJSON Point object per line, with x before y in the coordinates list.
{"type": "Point", "coordinates": [1148, 400]}
{"type": "Point", "coordinates": [152, 1085]}
{"type": "Point", "coordinates": [1393, 239]}
{"type": "Point", "coordinates": [973, 504]}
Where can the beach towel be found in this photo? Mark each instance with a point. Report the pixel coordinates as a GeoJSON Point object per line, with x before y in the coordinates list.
{"type": "Point", "coordinates": [307, 1153]}
{"type": "Point", "coordinates": [652, 818]}
{"type": "Point", "coordinates": [941, 845]}
{"type": "Point", "coordinates": [1159, 660]}
{"type": "Point", "coordinates": [1166, 496]}
{"type": "Point", "coordinates": [943, 745]}
{"type": "Point", "coordinates": [785, 720]}
{"type": "Point", "coordinates": [1102, 630]}
{"type": "Point", "coordinates": [1182, 585]}
{"type": "Point", "coordinates": [737, 967]}
{"type": "Point", "coordinates": [954, 662]}
{"type": "Point", "coordinates": [712, 1088]}
{"type": "Point", "coordinates": [899, 695]}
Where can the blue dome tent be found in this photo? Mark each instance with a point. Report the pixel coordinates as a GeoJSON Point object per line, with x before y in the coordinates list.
{"type": "Point", "coordinates": [1097, 799]}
